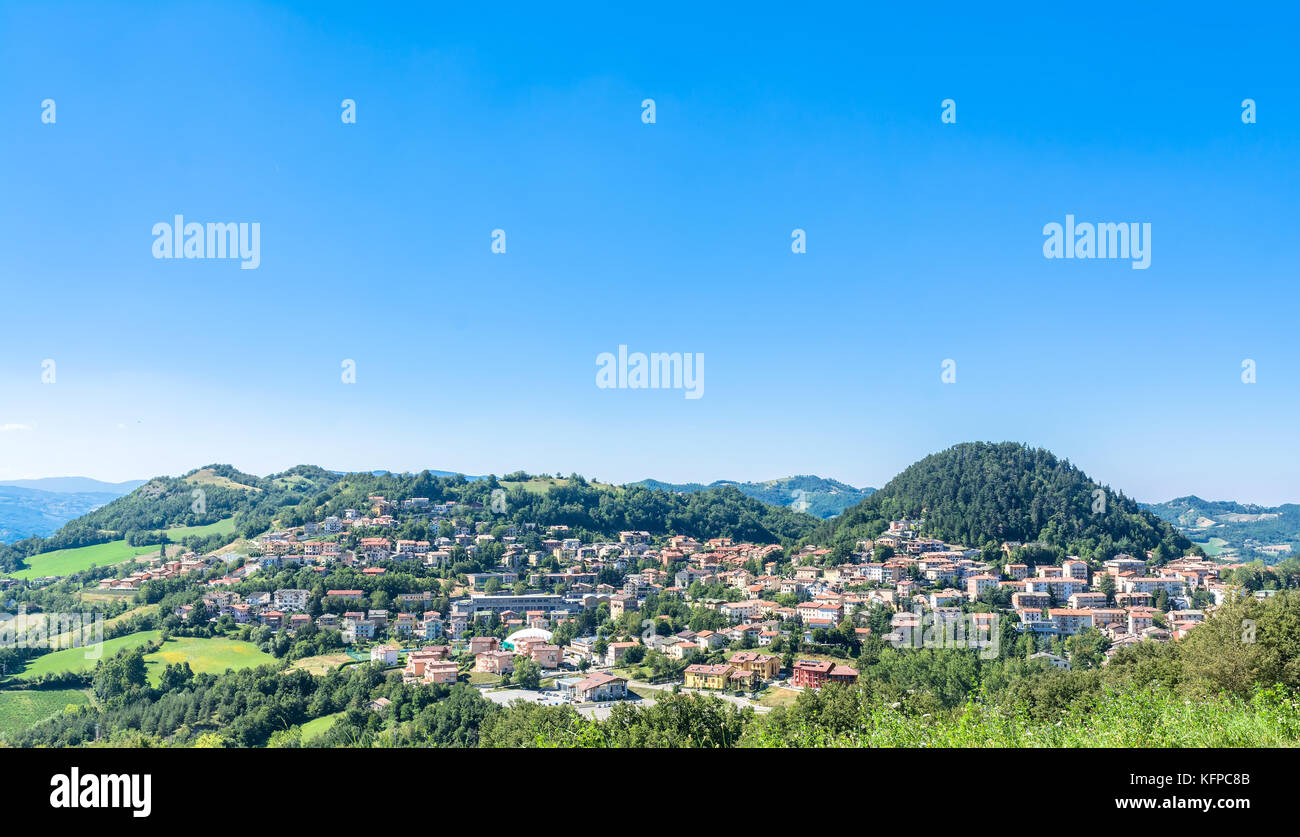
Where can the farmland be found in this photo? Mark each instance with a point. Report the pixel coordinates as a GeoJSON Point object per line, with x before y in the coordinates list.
{"type": "Point", "coordinates": [68, 561]}
{"type": "Point", "coordinates": [75, 659]}
{"type": "Point", "coordinates": [22, 708]}
{"type": "Point", "coordinates": [205, 656]}
{"type": "Point", "coordinates": [221, 527]}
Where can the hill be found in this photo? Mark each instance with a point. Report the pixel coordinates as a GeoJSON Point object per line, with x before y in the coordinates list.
{"type": "Point", "coordinates": [25, 512]}
{"type": "Point", "coordinates": [817, 496]}
{"type": "Point", "coordinates": [77, 485]}
{"type": "Point", "coordinates": [212, 506]}
{"type": "Point", "coordinates": [1234, 531]}
{"type": "Point", "coordinates": [140, 517]}
{"type": "Point", "coordinates": [981, 493]}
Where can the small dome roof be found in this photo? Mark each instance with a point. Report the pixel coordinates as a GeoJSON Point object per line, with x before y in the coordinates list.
{"type": "Point", "coordinates": [529, 633]}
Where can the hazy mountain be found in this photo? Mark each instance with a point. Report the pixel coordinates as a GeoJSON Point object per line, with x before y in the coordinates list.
{"type": "Point", "coordinates": [76, 485]}
{"type": "Point", "coordinates": [27, 511]}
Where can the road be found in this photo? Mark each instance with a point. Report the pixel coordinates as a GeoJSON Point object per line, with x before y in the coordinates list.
{"type": "Point", "coordinates": [601, 710]}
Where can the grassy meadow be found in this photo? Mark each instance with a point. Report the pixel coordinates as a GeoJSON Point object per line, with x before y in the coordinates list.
{"type": "Point", "coordinates": [68, 561]}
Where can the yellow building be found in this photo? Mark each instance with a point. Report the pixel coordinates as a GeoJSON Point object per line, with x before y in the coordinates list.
{"type": "Point", "coordinates": [708, 677]}
{"type": "Point", "coordinates": [767, 666]}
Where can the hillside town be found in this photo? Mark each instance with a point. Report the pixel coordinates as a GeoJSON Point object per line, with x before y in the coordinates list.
{"type": "Point", "coordinates": [590, 618]}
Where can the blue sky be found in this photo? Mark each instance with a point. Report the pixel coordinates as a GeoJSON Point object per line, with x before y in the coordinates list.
{"type": "Point", "coordinates": [924, 239]}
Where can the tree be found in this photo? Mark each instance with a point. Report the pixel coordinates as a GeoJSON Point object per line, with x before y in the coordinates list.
{"type": "Point", "coordinates": [175, 676]}
{"type": "Point", "coordinates": [1087, 648]}
{"type": "Point", "coordinates": [528, 674]}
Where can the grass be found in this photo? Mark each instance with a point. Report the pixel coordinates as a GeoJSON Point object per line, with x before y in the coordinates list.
{"type": "Point", "coordinates": [207, 476]}
{"type": "Point", "coordinates": [95, 596]}
{"type": "Point", "coordinates": [75, 659]}
{"type": "Point", "coordinates": [239, 546]}
{"type": "Point", "coordinates": [541, 485]}
{"type": "Point", "coordinates": [774, 696]}
{"type": "Point", "coordinates": [20, 709]}
{"type": "Point", "coordinates": [68, 561]}
{"type": "Point", "coordinates": [321, 664]}
{"type": "Point", "coordinates": [1213, 546]}
{"type": "Point", "coordinates": [484, 678]}
{"type": "Point", "coordinates": [205, 656]}
{"type": "Point", "coordinates": [1138, 717]}
{"type": "Point", "coordinates": [1154, 717]}
{"type": "Point", "coordinates": [221, 527]}
{"type": "Point", "coordinates": [122, 617]}
{"type": "Point", "coordinates": [317, 727]}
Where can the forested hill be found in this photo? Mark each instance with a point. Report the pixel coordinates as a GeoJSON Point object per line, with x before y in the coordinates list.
{"type": "Point", "coordinates": [817, 496]}
{"type": "Point", "coordinates": [308, 493]}
{"type": "Point", "coordinates": [164, 502]}
{"type": "Point", "coordinates": [1242, 531]}
{"type": "Point", "coordinates": [982, 493]}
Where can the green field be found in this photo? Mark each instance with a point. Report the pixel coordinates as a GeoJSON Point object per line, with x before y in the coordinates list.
{"type": "Point", "coordinates": [1213, 546]}
{"type": "Point", "coordinates": [74, 659]}
{"type": "Point", "coordinates": [317, 727]}
{"type": "Point", "coordinates": [205, 656]}
{"type": "Point", "coordinates": [221, 527]}
{"type": "Point", "coordinates": [68, 561]}
{"type": "Point", "coordinates": [64, 639]}
{"type": "Point", "coordinates": [21, 709]}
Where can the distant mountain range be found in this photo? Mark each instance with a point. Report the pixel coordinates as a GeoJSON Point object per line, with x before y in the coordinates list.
{"type": "Point", "coordinates": [76, 485]}
{"type": "Point", "coordinates": [1229, 530]}
{"type": "Point", "coordinates": [41, 506]}
{"type": "Point", "coordinates": [818, 496]}
{"type": "Point", "coordinates": [1232, 530]}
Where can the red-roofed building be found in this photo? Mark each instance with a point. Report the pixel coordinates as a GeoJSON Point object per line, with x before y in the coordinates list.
{"type": "Point", "coordinates": [813, 674]}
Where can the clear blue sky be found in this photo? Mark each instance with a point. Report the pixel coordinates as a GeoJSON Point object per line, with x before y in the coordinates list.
{"type": "Point", "coordinates": [924, 239]}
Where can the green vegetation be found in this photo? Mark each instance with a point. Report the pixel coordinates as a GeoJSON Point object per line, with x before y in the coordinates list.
{"type": "Point", "coordinates": [75, 659]}
{"type": "Point", "coordinates": [221, 527]}
{"type": "Point", "coordinates": [68, 561]}
{"type": "Point", "coordinates": [205, 656]}
{"type": "Point", "coordinates": [819, 497]}
{"type": "Point", "coordinates": [1241, 528]}
{"type": "Point", "coordinates": [20, 709]}
{"type": "Point", "coordinates": [980, 494]}
{"type": "Point", "coordinates": [238, 505]}
{"type": "Point", "coordinates": [322, 663]}
{"type": "Point", "coordinates": [1132, 717]}
{"type": "Point", "coordinates": [1211, 689]}
{"type": "Point", "coordinates": [234, 503]}
{"type": "Point", "coordinates": [317, 727]}
{"type": "Point", "coordinates": [1212, 547]}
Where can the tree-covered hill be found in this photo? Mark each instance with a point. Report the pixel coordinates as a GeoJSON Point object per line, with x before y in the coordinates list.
{"type": "Point", "coordinates": [817, 496]}
{"type": "Point", "coordinates": [982, 493]}
{"type": "Point", "coordinates": [163, 502]}
{"type": "Point", "coordinates": [599, 509]}
{"type": "Point", "coordinates": [308, 493]}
